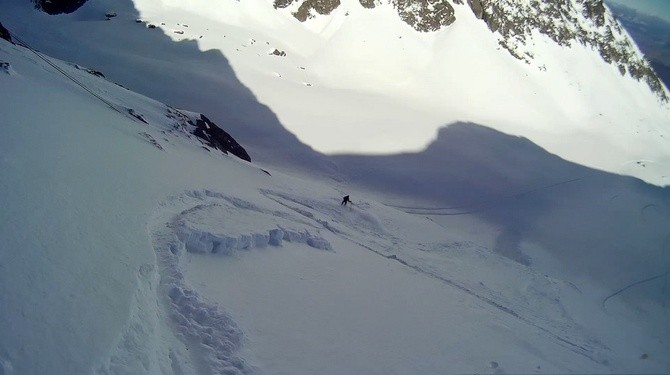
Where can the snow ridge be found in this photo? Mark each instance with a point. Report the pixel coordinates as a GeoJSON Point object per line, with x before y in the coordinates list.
{"type": "Point", "coordinates": [195, 229]}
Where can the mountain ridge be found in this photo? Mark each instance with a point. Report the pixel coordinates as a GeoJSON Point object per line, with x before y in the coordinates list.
{"type": "Point", "coordinates": [587, 22]}
{"type": "Point", "coordinates": [363, 80]}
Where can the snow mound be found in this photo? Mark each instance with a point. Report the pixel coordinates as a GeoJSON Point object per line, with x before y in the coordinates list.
{"type": "Point", "coordinates": [208, 222]}
{"type": "Point", "coordinates": [210, 334]}
{"type": "Point", "coordinates": [227, 224]}
{"type": "Point", "coordinates": [199, 241]}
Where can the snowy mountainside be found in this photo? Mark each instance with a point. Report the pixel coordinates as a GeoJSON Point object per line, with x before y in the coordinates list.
{"type": "Point", "coordinates": [362, 80]}
{"type": "Point", "coordinates": [78, 281]}
{"type": "Point", "coordinates": [587, 22]}
{"type": "Point", "coordinates": [367, 83]}
{"type": "Point", "coordinates": [122, 257]}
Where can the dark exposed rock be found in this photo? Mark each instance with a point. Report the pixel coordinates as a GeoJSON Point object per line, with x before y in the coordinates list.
{"type": "Point", "coordinates": [90, 71]}
{"type": "Point", "coordinates": [477, 8]}
{"type": "Point", "coordinates": [586, 22]}
{"type": "Point", "coordinates": [425, 15]}
{"type": "Point", "coordinates": [283, 3]}
{"type": "Point", "coordinates": [58, 6]}
{"type": "Point", "coordinates": [137, 115]}
{"type": "Point", "coordinates": [595, 10]}
{"type": "Point", "coordinates": [5, 67]}
{"type": "Point", "coordinates": [4, 34]}
{"type": "Point", "coordinates": [368, 3]}
{"type": "Point", "coordinates": [622, 69]}
{"type": "Point", "coordinates": [206, 131]}
{"type": "Point", "coordinates": [277, 52]}
{"type": "Point", "coordinates": [320, 6]}
{"type": "Point", "coordinates": [422, 15]}
{"type": "Point", "coordinates": [217, 138]}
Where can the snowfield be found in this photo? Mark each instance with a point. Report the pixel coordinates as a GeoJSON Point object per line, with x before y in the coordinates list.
{"type": "Point", "coordinates": [130, 246]}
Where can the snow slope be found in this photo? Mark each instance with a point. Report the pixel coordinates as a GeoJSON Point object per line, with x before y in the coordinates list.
{"type": "Point", "coordinates": [123, 257]}
{"type": "Point", "coordinates": [359, 80]}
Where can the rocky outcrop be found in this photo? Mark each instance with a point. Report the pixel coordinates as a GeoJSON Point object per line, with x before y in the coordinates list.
{"type": "Point", "coordinates": [319, 6]}
{"type": "Point", "coordinates": [566, 22]}
{"type": "Point", "coordinates": [90, 71]}
{"type": "Point", "coordinates": [586, 22]}
{"type": "Point", "coordinates": [277, 52]}
{"type": "Point", "coordinates": [207, 132]}
{"type": "Point", "coordinates": [283, 3]}
{"type": "Point", "coordinates": [369, 4]}
{"type": "Point", "coordinates": [425, 15]}
{"type": "Point", "coordinates": [218, 138]}
{"type": "Point", "coordinates": [4, 34]}
{"type": "Point", "coordinates": [309, 8]}
{"type": "Point", "coordinates": [422, 15]}
{"type": "Point", "coordinates": [594, 10]}
{"type": "Point", "coordinates": [58, 6]}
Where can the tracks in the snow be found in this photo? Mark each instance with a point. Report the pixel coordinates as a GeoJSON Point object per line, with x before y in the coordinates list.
{"type": "Point", "coordinates": [586, 349]}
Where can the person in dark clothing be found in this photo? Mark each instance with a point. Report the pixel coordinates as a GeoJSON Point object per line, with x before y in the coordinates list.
{"type": "Point", "coordinates": [345, 200]}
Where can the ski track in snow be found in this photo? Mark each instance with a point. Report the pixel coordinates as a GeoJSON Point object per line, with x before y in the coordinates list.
{"type": "Point", "coordinates": [211, 334]}
{"type": "Point", "coordinates": [190, 223]}
{"type": "Point", "coordinates": [564, 333]}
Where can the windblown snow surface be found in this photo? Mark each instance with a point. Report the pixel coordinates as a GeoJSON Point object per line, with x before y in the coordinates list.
{"type": "Point", "coordinates": [129, 247]}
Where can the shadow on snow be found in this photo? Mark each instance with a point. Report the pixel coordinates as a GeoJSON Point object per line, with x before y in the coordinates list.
{"type": "Point", "coordinates": [614, 229]}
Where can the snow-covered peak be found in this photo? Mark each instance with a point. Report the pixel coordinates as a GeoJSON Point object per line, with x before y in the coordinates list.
{"type": "Point", "coordinates": [515, 22]}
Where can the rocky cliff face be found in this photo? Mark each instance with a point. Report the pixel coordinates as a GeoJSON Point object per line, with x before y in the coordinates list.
{"type": "Point", "coordinates": [58, 6]}
{"type": "Point", "coordinates": [425, 15]}
{"type": "Point", "coordinates": [566, 22]}
{"type": "Point", "coordinates": [4, 34]}
{"type": "Point", "coordinates": [516, 23]}
{"type": "Point", "coordinates": [422, 15]}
